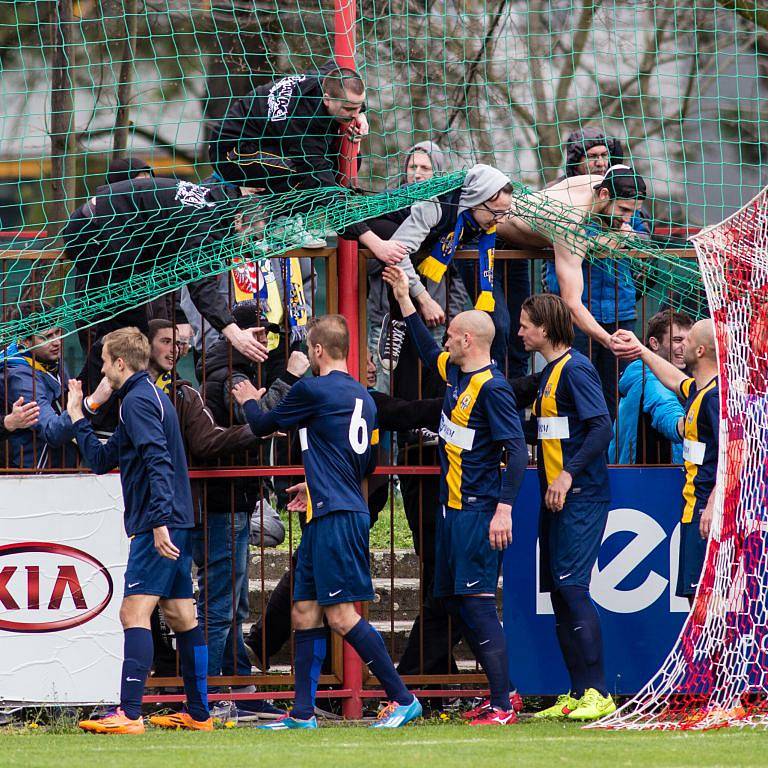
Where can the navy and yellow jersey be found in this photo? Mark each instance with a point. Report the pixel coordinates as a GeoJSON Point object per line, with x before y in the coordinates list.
{"type": "Point", "coordinates": [479, 414]}
{"type": "Point", "coordinates": [337, 429]}
{"type": "Point", "coordinates": [570, 392]}
{"type": "Point", "coordinates": [700, 444]}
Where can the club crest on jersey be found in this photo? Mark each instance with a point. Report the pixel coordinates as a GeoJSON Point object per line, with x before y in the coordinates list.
{"type": "Point", "coordinates": [548, 390]}
{"type": "Point", "coordinates": [466, 401]}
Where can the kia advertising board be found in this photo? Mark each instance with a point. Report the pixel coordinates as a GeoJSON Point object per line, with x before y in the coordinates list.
{"type": "Point", "coordinates": [633, 584]}
{"type": "Point", "coordinates": [62, 557]}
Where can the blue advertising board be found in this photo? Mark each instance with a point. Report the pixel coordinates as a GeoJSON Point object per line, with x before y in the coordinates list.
{"type": "Point", "coordinates": [633, 584]}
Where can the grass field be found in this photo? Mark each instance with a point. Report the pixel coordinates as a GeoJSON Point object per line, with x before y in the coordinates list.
{"type": "Point", "coordinates": [432, 745]}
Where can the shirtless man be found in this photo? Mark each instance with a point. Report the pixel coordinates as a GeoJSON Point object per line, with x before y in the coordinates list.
{"type": "Point", "coordinates": [609, 201]}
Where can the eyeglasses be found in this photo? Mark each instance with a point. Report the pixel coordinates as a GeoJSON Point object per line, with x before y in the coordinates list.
{"type": "Point", "coordinates": [601, 156]}
{"type": "Point", "coordinates": [496, 214]}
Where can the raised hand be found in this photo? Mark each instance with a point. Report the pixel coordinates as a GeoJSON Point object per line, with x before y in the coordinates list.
{"type": "Point", "coordinates": [75, 400]}
{"type": "Point", "coordinates": [245, 391]}
{"type": "Point", "coordinates": [22, 416]}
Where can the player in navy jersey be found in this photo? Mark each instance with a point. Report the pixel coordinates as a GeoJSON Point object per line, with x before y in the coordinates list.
{"type": "Point", "coordinates": [573, 433]}
{"type": "Point", "coordinates": [148, 447]}
{"type": "Point", "coordinates": [479, 419]}
{"type": "Point", "coordinates": [336, 418]}
{"type": "Point", "coordinates": [699, 429]}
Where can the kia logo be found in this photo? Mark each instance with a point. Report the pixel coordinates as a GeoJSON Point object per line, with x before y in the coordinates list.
{"type": "Point", "coordinates": [47, 587]}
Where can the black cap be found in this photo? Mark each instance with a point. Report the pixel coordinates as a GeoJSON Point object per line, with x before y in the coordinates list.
{"type": "Point", "coordinates": [125, 168]}
{"type": "Point", "coordinates": [622, 182]}
{"type": "Point", "coordinates": [248, 314]}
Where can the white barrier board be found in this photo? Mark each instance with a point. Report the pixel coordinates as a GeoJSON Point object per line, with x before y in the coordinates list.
{"type": "Point", "coordinates": [63, 552]}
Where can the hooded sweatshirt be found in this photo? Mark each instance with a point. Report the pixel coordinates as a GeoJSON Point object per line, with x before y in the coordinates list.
{"type": "Point", "coordinates": [661, 405]}
{"type": "Point", "coordinates": [430, 219]}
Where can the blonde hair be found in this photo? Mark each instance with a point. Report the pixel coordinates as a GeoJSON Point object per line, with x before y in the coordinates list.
{"type": "Point", "coordinates": [131, 345]}
{"type": "Point", "coordinates": [332, 333]}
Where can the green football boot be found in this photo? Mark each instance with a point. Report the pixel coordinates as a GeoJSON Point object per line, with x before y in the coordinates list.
{"type": "Point", "coordinates": [592, 706]}
{"type": "Point", "coordinates": [561, 709]}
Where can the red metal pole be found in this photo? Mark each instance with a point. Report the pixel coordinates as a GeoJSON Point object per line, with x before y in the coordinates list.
{"type": "Point", "coordinates": [344, 51]}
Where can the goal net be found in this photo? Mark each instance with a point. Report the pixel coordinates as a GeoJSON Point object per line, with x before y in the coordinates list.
{"type": "Point", "coordinates": [715, 675]}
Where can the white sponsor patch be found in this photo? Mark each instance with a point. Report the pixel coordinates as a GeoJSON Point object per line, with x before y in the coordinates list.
{"type": "Point", "coordinates": [553, 428]}
{"type": "Point", "coordinates": [461, 437]}
{"type": "Point", "coordinates": [693, 451]}
{"type": "Point", "coordinates": [303, 439]}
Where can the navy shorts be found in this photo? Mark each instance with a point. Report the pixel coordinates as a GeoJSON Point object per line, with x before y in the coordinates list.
{"type": "Point", "coordinates": [149, 573]}
{"type": "Point", "coordinates": [691, 561]}
{"type": "Point", "coordinates": [465, 564]}
{"type": "Point", "coordinates": [332, 564]}
{"type": "Point", "coordinates": [569, 543]}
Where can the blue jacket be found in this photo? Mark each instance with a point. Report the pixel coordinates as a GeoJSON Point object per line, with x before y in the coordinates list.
{"type": "Point", "coordinates": [601, 290]}
{"type": "Point", "coordinates": [148, 447]}
{"type": "Point", "coordinates": [660, 403]}
{"type": "Point", "coordinates": [50, 443]}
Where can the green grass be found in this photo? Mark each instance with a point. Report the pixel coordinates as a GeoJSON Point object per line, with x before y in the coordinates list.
{"type": "Point", "coordinates": [380, 533]}
{"type": "Point", "coordinates": [432, 745]}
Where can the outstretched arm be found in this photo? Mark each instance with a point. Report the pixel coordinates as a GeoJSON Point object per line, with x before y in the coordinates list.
{"type": "Point", "coordinates": [426, 346]}
{"type": "Point", "coordinates": [571, 280]}
{"type": "Point", "coordinates": [669, 375]}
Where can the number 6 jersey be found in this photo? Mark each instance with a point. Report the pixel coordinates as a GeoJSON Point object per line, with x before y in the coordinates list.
{"type": "Point", "coordinates": [336, 418]}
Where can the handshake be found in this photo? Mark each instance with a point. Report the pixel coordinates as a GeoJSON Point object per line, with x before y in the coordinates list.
{"type": "Point", "coordinates": [625, 345]}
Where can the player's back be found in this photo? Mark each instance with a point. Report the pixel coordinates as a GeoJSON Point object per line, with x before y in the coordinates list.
{"type": "Point", "coordinates": [336, 441]}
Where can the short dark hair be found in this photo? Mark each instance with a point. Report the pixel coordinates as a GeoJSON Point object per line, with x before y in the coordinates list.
{"type": "Point", "coordinates": [125, 168]}
{"type": "Point", "coordinates": [662, 321]}
{"type": "Point", "coordinates": [550, 312]}
{"type": "Point", "coordinates": [340, 80]}
{"type": "Point", "coordinates": [155, 326]}
{"type": "Point", "coordinates": [332, 333]}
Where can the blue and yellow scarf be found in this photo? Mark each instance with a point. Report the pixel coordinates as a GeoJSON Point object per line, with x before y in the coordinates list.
{"type": "Point", "coordinates": [435, 265]}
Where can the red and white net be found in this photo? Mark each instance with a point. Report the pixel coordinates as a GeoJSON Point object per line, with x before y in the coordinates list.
{"type": "Point", "coordinates": [717, 673]}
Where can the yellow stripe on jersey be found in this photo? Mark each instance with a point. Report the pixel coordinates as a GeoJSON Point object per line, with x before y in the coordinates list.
{"type": "Point", "coordinates": [309, 505]}
{"type": "Point", "coordinates": [375, 437]}
{"type": "Point", "coordinates": [442, 365]}
{"type": "Point", "coordinates": [691, 432]}
{"type": "Point", "coordinates": [460, 415]}
{"type": "Point", "coordinates": [544, 407]}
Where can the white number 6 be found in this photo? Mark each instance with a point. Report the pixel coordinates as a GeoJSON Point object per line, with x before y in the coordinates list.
{"type": "Point", "coordinates": [358, 429]}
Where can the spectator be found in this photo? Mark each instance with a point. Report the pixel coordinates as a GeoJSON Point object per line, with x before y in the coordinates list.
{"type": "Point", "coordinates": [281, 137]}
{"type": "Point", "coordinates": [142, 224]}
{"type": "Point", "coordinates": [645, 430]}
{"type": "Point", "coordinates": [33, 371]}
{"type": "Point", "coordinates": [609, 288]}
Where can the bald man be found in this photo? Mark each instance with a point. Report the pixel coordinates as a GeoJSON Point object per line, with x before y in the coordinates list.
{"type": "Point", "coordinates": [478, 420]}
{"type": "Point", "coordinates": [699, 429]}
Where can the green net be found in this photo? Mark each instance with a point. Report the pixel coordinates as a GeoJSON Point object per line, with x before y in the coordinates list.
{"type": "Point", "coordinates": [675, 88]}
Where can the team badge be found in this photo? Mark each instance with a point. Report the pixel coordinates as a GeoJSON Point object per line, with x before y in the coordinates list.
{"type": "Point", "coordinates": [466, 401]}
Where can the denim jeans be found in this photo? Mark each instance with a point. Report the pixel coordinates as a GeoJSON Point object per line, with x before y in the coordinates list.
{"type": "Point", "coordinates": [220, 597]}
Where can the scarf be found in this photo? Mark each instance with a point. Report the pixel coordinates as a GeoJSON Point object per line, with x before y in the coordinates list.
{"type": "Point", "coordinates": [257, 280]}
{"type": "Point", "coordinates": [164, 381]}
{"type": "Point", "coordinates": [435, 265]}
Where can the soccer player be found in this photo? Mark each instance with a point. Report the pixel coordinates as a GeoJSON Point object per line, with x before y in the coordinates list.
{"type": "Point", "coordinates": [337, 428]}
{"type": "Point", "coordinates": [148, 447]}
{"type": "Point", "coordinates": [609, 201]}
{"type": "Point", "coordinates": [573, 433]}
{"type": "Point", "coordinates": [700, 432]}
{"type": "Point", "coordinates": [479, 419]}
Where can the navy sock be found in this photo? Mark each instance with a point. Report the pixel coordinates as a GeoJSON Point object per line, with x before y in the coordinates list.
{"type": "Point", "coordinates": [567, 641]}
{"type": "Point", "coordinates": [587, 636]}
{"type": "Point", "coordinates": [193, 653]}
{"type": "Point", "coordinates": [371, 649]}
{"type": "Point", "coordinates": [479, 614]}
{"type": "Point", "coordinates": [137, 661]}
{"type": "Point", "coordinates": [310, 654]}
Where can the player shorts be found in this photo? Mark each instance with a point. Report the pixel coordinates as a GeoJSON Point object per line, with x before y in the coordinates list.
{"type": "Point", "coordinates": [332, 564]}
{"type": "Point", "coordinates": [691, 559]}
{"type": "Point", "coordinates": [149, 573]}
{"type": "Point", "coordinates": [465, 564]}
{"type": "Point", "coordinates": [569, 543]}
